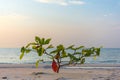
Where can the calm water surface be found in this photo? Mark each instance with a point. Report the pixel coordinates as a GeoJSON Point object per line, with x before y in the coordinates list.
{"type": "Point", "coordinates": [11, 55]}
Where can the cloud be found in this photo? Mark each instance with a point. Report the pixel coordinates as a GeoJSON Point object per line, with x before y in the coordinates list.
{"type": "Point", "coordinates": [105, 15]}
{"type": "Point", "coordinates": [62, 2]}
{"type": "Point", "coordinates": [45, 1]}
{"type": "Point", "coordinates": [77, 2]}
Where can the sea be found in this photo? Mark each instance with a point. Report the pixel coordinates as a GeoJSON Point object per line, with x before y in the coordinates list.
{"type": "Point", "coordinates": [11, 56]}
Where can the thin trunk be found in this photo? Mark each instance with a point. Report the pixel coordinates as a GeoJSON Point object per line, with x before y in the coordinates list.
{"type": "Point", "coordinates": [58, 61]}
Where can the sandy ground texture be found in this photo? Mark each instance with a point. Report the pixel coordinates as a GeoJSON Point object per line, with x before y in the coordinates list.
{"type": "Point", "coordinates": [44, 72]}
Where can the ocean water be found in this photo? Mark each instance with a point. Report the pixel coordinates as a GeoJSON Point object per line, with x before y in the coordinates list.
{"type": "Point", "coordinates": [107, 56]}
{"type": "Point", "coordinates": [11, 56]}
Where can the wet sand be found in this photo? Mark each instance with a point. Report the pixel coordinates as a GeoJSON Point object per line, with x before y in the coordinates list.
{"type": "Point", "coordinates": [44, 72]}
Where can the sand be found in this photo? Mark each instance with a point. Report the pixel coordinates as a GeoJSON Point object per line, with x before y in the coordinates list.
{"type": "Point", "coordinates": [44, 72]}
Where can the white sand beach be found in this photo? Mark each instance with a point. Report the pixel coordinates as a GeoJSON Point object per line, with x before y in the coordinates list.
{"type": "Point", "coordinates": [44, 72]}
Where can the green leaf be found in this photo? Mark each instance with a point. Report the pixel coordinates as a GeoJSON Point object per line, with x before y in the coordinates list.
{"type": "Point", "coordinates": [50, 46]}
{"type": "Point", "coordinates": [22, 49]}
{"type": "Point", "coordinates": [21, 56]}
{"type": "Point", "coordinates": [79, 47]}
{"type": "Point", "coordinates": [71, 56]}
{"type": "Point", "coordinates": [55, 51]}
{"type": "Point", "coordinates": [47, 41]}
{"type": "Point", "coordinates": [31, 44]}
{"type": "Point", "coordinates": [78, 53]}
{"type": "Point", "coordinates": [83, 52]}
{"type": "Point", "coordinates": [38, 40]}
{"type": "Point", "coordinates": [34, 47]}
{"type": "Point", "coordinates": [60, 47]}
{"type": "Point", "coordinates": [70, 47]}
{"type": "Point", "coordinates": [22, 52]}
{"type": "Point", "coordinates": [43, 41]}
{"type": "Point", "coordinates": [87, 52]}
{"type": "Point", "coordinates": [27, 50]}
{"type": "Point", "coordinates": [82, 61]}
{"type": "Point", "coordinates": [40, 51]}
{"type": "Point", "coordinates": [98, 51]}
{"type": "Point", "coordinates": [37, 63]}
{"type": "Point", "coordinates": [73, 48]}
{"type": "Point", "coordinates": [64, 54]}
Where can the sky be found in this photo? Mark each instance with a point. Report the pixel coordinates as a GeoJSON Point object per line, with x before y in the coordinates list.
{"type": "Point", "coordinates": [79, 22]}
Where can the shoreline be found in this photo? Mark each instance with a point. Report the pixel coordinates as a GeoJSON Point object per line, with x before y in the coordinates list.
{"type": "Point", "coordinates": [44, 72]}
{"type": "Point", "coordinates": [45, 64]}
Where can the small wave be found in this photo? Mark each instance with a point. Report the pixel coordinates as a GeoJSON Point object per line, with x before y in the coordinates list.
{"type": "Point", "coordinates": [109, 61]}
{"type": "Point", "coordinates": [93, 67]}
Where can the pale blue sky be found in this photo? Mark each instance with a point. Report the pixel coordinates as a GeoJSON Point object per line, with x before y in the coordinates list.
{"type": "Point", "coordinates": [79, 22]}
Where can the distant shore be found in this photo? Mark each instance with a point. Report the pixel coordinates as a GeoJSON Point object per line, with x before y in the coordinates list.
{"type": "Point", "coordinates": [44, 72]}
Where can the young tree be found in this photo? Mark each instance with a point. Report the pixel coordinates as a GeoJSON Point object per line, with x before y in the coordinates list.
{"type": "Point", "coordinates": [74, 55]}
